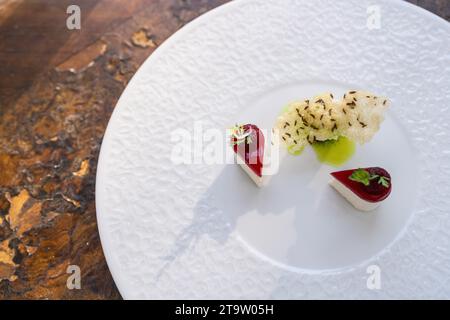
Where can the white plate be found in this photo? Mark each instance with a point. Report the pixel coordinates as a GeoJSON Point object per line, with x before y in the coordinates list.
{"type": "Point", "coordinates": [204, 231]}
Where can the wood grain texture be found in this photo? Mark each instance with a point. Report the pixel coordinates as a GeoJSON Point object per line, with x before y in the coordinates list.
{"type": "Point", "coordinates": [57, 91]}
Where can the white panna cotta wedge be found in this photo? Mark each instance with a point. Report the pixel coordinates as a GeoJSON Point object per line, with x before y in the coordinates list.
{"type": "Point", "coordinates": [364, 188]}
{"type": "Point", "coordinates": [250, 152]}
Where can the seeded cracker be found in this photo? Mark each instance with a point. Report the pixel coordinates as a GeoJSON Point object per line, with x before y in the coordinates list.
{"type": "Point", "coordinates": [357, 116]}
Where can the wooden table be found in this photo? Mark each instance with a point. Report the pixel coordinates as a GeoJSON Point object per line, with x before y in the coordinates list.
{"type": "Point", "coordinates": [57, 91]}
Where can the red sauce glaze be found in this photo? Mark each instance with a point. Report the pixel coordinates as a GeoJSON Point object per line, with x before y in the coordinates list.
{"type": "Point", "coordinates": [365, 193]}
{"type": "Point", "coordinates": [252, 153]}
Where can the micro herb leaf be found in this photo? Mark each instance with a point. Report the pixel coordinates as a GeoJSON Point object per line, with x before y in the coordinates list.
{"type": "Point", "coordinates": [239, 135]}
{"type": "Point", "coordinates": [361, 175]}
{"type": "Point", "coordinates": [384, 181]}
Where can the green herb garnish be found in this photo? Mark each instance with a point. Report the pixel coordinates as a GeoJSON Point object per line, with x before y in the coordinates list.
{"type": "Point", "coordinates": [238, 132]}
{"type": "Point", "coordinates": [384, 181]}
{"type": "Point", "coordinates": [363, 176]}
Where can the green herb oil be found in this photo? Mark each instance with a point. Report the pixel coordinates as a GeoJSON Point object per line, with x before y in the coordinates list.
{"type": "Point", "coordinates": [284, 109]}
{"type": "Point", "coordinates": [334, 152]}
{"type": "Point", "coordinates": [295, 152]}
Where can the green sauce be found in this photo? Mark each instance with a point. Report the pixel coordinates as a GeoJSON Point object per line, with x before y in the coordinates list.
{"type": "Point", "coordinates": [334, 152]}
{"type": "Point", "coordinates": [295, 152]}
{"type": "Point", "coordinates": [284, 109]}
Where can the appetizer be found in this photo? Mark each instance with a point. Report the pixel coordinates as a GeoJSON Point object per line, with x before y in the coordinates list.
{"type": "Point", "coordinates": [356, 117]}
{"type": "Point", "coordinates": [248, 144]}
{"type": "Point", "coordinates": [364, 188]}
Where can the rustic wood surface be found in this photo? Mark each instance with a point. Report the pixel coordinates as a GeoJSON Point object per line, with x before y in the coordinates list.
{"type": "Point", "coordinates": [57, 91]}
